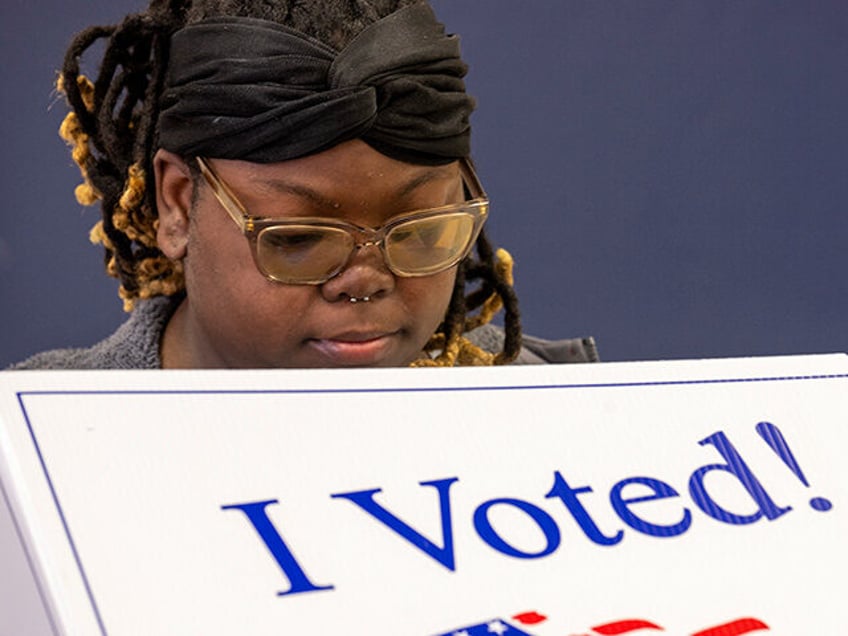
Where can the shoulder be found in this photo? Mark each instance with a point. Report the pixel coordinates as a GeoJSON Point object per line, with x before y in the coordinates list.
{"type": "Point", "coordinates": [538, 350]}
{"type": "Point", "coordinates": [134, 345]}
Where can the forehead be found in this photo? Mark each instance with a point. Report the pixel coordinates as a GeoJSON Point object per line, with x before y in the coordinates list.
{"type": "Point", "coordinates": [349, 170]}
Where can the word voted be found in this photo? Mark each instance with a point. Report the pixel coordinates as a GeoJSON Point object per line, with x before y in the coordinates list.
{"type": "Point", "coordinates": [624, 505]}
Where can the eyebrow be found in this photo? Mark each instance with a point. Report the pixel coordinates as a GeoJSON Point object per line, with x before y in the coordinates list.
{"type": "Point", "coordinates": [298, 189]}
{"type": "Point", "coordinates": [441, 172]}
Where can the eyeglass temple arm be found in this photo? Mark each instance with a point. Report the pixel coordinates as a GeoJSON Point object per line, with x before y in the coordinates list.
{"type": "Point", "coordinates": [472, 181]}
{"type": "Point", "coordinates": [225, 197]}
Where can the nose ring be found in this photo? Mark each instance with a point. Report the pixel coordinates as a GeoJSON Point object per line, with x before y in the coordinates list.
{"type": "Point", "coordinates": [360, 299]}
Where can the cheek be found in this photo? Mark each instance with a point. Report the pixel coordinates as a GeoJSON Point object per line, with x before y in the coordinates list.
{"type": "Point", "coordinates": [222, 278]}
{"type": "Point", "coordinates": [233, 303]}
{"type": "Point", "coordinates": [217, 265]}
{"type": "Point", "coordinates": [432, 296]}
{"type": "Point", "coordinates": [218, 260]}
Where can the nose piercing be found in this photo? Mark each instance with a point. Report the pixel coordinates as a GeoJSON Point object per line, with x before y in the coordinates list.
{"type": "Point", "coordinates": [360, 299]}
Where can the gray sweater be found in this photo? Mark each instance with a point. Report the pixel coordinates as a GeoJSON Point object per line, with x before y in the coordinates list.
{"type": "Point", "coordinates": [135, 344]}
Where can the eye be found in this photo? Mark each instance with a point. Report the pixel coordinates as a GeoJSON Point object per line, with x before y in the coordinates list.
{"type": "Point", "coordinates": [283, 249]}
{"type": "Point", "coordinates": [292, 240]}
{"type": "Point", "coordinates": [417, 234]}
{"type": "Point", "coordinates": [443, 231]}
{"type": "Point", "coordinates": [294, 245]}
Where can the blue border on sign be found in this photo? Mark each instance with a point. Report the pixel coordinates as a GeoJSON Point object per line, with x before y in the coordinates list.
{"type": "Point", "coordinates": [444, 389]}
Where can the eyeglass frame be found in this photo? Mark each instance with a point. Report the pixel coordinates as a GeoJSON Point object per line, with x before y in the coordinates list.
{"type": "Point", "coordinates": [252, 226]}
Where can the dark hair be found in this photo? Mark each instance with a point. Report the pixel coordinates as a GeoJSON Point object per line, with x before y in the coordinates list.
{"type": "Point", "coordinates": [112, 128]}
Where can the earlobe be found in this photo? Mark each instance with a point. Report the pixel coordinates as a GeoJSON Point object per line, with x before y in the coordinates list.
{"type": "Point", "coordinates": [174, 195]}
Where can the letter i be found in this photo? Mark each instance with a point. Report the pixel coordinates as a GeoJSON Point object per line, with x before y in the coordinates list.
{"type": "Point", "coordinates": [258, 517]}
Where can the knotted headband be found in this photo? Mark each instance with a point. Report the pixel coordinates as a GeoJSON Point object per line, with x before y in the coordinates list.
{"type": "Point", "coordinates": [250, 89]}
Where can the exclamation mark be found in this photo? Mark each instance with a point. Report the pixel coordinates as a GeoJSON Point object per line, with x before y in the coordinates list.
{"type": "Point", "coordinates": [774, 438]}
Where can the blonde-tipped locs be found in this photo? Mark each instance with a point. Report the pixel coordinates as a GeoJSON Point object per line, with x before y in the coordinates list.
{"type": "Point", "coordinates": [111, 128]}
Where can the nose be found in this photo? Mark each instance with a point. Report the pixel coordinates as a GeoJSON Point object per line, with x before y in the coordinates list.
{"type": "Point", "coordinates": [365, 275]}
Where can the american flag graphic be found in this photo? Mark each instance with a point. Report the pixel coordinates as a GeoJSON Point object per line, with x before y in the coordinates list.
{"type": "Point", "coordinates": [635, 626]}
{"type": "Point", "coordinates": [493, 627]}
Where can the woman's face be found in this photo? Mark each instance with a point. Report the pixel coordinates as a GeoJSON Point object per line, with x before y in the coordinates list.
{"type": "Point", "coordinates": [235, 317]}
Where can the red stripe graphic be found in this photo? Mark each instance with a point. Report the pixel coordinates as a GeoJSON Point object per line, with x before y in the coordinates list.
{"type": "Point", "coordinates": [623, 627]}
{"type": "Point", "coordinates": [530, 618]}
{"type": "Point", "coordinates": [734, 628]}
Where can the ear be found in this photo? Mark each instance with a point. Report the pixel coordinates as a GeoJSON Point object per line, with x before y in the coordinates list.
{"type": "Point", "coordinates": [174, 195]}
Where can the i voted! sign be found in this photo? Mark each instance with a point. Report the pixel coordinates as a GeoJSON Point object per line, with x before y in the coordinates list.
{"type": "Point", "coordinates": [694, 498]}
{"type": "Point", "coordinates": [646, 489]}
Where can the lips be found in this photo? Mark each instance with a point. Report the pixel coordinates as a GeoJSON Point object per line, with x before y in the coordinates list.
{"type": "Point", "coordinates": [367, 348]}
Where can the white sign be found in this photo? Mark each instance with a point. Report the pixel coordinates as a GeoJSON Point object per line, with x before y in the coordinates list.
{"type": "Point", "coordinates": [704, 498]}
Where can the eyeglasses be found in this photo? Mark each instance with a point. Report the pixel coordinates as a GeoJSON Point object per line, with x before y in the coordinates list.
{"type": "Point", "coordinates": [310, 251]}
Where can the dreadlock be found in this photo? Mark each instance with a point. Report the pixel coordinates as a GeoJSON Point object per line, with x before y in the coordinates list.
{"type": "Point", "coordinates": [112, 131]}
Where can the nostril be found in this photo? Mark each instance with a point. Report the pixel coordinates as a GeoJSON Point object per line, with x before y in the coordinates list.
{"type": "Point", "coordinates": [359, 281]}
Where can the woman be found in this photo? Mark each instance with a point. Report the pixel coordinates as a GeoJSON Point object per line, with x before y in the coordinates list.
{"type": "Point", "coordinates": [288, 184]}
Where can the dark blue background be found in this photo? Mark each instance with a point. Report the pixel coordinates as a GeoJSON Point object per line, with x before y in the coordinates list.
{"type": "Point", "coordinates": [669, 175]}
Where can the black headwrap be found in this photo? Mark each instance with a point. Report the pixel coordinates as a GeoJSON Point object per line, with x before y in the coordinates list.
{"type": "Point", "coordinates": [250, 89]}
